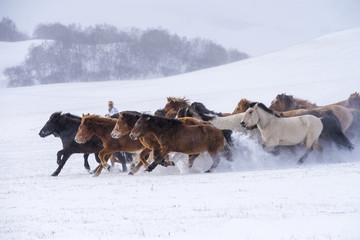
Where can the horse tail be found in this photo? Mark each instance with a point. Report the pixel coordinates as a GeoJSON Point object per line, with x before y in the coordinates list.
{"type": "Point", "coordinates": [227, 135]}
{"type": "Point", "coordinates": [332, 130]}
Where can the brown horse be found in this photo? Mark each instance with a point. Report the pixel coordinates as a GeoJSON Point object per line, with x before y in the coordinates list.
{"type": "Point", "coordinates": [172, 106]}
{"type": "Point", "coordinates": [242, 106]}
{"type": "Point", "coordinates": [102, 127]}
{"type": "Point", "coordinates": [284, 103]}
{"type": "Point", "coordinates": [175, 136]}
{"type": "Point", "coordinates": [123, 127]}
{"type": "Point", "coordinates": [126, 123]}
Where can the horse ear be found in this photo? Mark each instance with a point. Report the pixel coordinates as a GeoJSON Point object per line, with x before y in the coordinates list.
{"type": "Point", "coordinates": [147, 118]}
{"type": "Point", "coordinates": [256, 106]}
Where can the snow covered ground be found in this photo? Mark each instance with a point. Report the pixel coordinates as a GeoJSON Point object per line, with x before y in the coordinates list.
{"type": "Point", "coordinates": [257, 196]}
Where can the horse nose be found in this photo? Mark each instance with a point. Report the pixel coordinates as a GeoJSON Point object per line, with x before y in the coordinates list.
{"type": "Point", "coordinates": [242, 124]}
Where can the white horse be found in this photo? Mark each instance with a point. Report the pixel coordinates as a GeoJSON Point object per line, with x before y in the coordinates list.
{"type": "Point", "coordinates": [276, 131]}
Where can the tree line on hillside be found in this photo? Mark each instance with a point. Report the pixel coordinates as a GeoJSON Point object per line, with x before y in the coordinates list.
{"type": "Point", "coordinates": [103, 52]}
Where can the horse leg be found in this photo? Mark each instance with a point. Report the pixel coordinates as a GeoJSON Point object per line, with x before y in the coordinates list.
{"type": "Point", "coordinates": [86, 162]}
{"type": "Point", "coordinates": [59, 155]}
{"type": "Point", "coordinates": [192, 158]}
{"type": "Point", "coordinates": [158, 157]}
{"type": "Point", "coordinates": [306, 154]}
{"type": "Point", "coordinates": [104, 157]}
{"type": "Point", "coordinates": [65, 157]}
{"type": "Point", "coordinates": [216, 160]}
{"type": "Point", "coordinates": [166, 162]}
{"type": "Point", "coordinates": [135, 164]}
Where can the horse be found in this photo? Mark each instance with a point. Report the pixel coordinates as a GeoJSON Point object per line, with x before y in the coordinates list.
{"type": "Point", "coordinates": [352, 102]}
{"type": "Point", "coordinates": [172, 106]}
{"type": "Point", "coordinates": [242, 106]}
{"type": "Point", "coordinates": [126, 123]}
{"type": "Point", "coordinates": [276, 131]}
{"type": "Point", "coordinates": [284, 103]}
{"type": "Point", "coordinates": [175, 104]}
{"type": "Point", "coordinates": [101, 127]}
{"type": "Point", "coordinates": [65, 126]}
{"type": "Point", "coordinates": [175, 136]}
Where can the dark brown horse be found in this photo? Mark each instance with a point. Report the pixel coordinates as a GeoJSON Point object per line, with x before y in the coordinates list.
{"type": "Point", "coordinates": [102, 127]}
{"type": "Point", "coordinates": [175, 136]}
{"type": "Point", "coordinates": [125, 123]}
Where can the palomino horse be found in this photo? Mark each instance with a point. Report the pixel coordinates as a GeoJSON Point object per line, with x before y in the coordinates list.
{"type": "Point", "coordinates": [102, 127]}
{"type": "Point", "coordinates": [175, 136]}
{"type": "Point", "coordinates": [242, 106]}
{"type": "Point", "coordinates": [284, 103]}
{"type": "Point", "coordinates": [276, 131]}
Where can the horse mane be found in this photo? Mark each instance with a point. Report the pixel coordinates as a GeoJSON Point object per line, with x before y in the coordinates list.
{"type": "Point", "coordinates": [300, 103]}
{"type": "Point", "coordinates": [72, 117]}
{"type": "Point", "coordinates": [163, 123]}
{"type": "Point", "coordinates": [55, 115]}
{"type": "Point", "coordinates": [354, 95]}
{"type": "Point", "coordinates": [179, 100]}
{"type": "Point", "coordinates": [263, 107]}
{"type": "Point", "coordinates": [130, 117]}
{"type": "Point", "coordinates": [98, 119]}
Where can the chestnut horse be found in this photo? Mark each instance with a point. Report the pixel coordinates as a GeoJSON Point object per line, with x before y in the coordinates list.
{"type": "Point", "coordinates": [102, 127]}
{"type": "Point", "coordinates": [175, 136]}
{"type": "Point", "coordinates": [283, 103]}
{"type": "Point", "coordinates": [172, 106]}
{"type": "Point", "coordinates": [242, 106]}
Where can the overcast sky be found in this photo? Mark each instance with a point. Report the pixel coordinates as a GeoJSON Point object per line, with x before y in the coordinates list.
{"type": "Point", "coordinates": [253, 26]}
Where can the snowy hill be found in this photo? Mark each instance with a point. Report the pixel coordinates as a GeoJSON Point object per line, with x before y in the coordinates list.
{"type": "Point", "coordinates": [257, 196]}
{"type": "Point", "coordinates": [13, 54]}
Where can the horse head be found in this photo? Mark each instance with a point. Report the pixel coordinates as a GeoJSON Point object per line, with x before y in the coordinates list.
{"type": "Point", "coordinates": [84, 132]}
{"type": "Point", "coordinates": [242, 106]}
{"type": "Point", "coordinates": [354, 101]}
{"type": "Point", "coordinates": [251, 116]}
{"type": "Point", "coordinates": [122, 126]}
{"type": "Point", "coordinates": [141, 127]}
{"type": "Point", "coordinates": [283, 102]}
{"type": "Point", "coordinates": [51, 126]}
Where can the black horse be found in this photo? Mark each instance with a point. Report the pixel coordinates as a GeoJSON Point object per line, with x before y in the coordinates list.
{"type": "Point", "coordinates": [65, 126]}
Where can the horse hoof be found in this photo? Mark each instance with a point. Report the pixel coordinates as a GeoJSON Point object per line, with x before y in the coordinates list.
{"type": "Point", "coordinates": [208, 171]}
{"type": "Point", "coordinates": [130, 173]}
{"type": "Point", "coordinates": [55, 174]}
{"type": "Point", "coordinates": [148, 170]}
{"type": "Point", "coordinates": [171, 163]}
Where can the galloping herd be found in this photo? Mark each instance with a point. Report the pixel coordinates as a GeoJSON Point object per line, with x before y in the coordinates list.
{"type": "Point", "coordinates": [193, 129]}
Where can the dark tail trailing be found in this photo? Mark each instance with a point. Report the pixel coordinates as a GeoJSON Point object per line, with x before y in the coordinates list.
{"type": "Point", "coordinates": [332, 131]}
